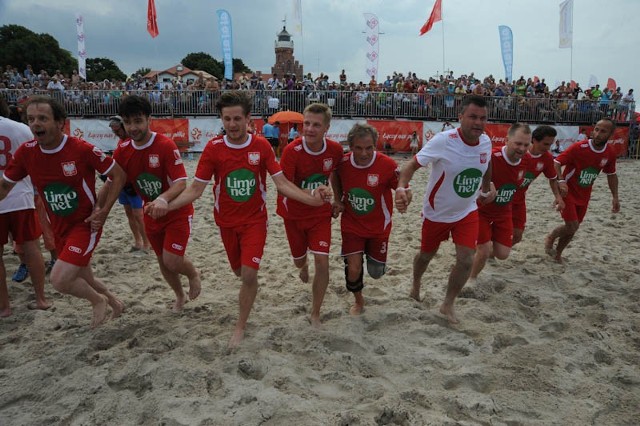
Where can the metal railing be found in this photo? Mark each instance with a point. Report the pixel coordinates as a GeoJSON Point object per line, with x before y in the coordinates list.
{"type": "Point", "coordinates": [385, 105]}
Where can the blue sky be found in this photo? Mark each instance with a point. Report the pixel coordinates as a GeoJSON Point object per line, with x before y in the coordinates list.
{"type": "Point", "coordinates": [604, 37]}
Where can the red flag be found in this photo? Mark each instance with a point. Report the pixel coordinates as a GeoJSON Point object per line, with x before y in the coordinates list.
{"type": "Point", "coordinates": [436, 15]}
{"type": "Point", "coordinates": [152, 23]}
{"type": "Point", "coordinates": [611, 84]}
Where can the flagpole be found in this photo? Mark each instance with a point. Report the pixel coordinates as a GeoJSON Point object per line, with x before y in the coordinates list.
{"type": "Point", "coordinates": [442, 22]}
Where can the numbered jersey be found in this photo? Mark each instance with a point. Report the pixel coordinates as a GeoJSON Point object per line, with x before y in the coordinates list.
{"type": "Point", "coordinates": [239, 173]}
{"type": "Point", "coordinates": [456, 175]}
{"type": "Point", "coordinates": [65, 177]}
{"type": "Point", "coordinates": [367, 196]}
{"type": "Point", "coordinates": [12, 135]}
{"type": "Point", "coordinates": [152, 168]}
{"type": "Point", "coordinates": [307, 170]}
{"type": "Point", "coordinates": [507, 177]}
{"type": "Point", "coordinates": [583, 165]}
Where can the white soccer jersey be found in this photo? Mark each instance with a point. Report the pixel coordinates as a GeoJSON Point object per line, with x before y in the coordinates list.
{"type": "Point", "coordinates": [12, 135]}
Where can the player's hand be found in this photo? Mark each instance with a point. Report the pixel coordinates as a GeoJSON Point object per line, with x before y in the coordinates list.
{"type": "Point", "coordinates": [97, 218]}
{"type": "Point", "coordinates": [157, 208]}
{"type": "Point", "coordinates": [615, 206]}
{"type": "Point", "coordinates": [489, 196]}
{"type": "Point", "coordinates": [337, 207]}
{"type": "Point", "coordinates": [563, 188]}
{"type": "Point", "coordinates": [324, 192]}
{"type": "Point", "coordinates": [403, 198]}
{"type": "Point", "coordinates": [558, 204]}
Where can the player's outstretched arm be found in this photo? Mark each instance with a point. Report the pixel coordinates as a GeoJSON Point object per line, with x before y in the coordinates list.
{"type": "Point", "coordinates": [107, 196]}
{"type": "Point", "coordinates": [5, 188]}
{"type": "Point", "coordinates": [612, 180]}
{"type": "Point", "coordinates": [289, 190]}
{"type": "Point", "coordinates": [402, 197]}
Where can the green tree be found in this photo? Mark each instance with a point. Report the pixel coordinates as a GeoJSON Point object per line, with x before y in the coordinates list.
{"type": "Point", "coordinates": [239, 66]}
{"type": "Point", "coordinates": [143, 71]}
{"type": "Point", "coordinates": [203, 62]}
{"type": "Point", "coordinates": [21, 46]}
{"type": "Point", "coordinates": [101, 68]}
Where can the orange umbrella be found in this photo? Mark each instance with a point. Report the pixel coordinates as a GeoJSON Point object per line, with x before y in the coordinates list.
{"type": "Point", "coordinates": [286, 117]}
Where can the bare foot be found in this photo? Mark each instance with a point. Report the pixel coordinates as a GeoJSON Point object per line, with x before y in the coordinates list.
{"type": "Point", "coordinates": [304, 273]}
{"type": "Point", "coordinates": [237, 337]}
{"type": "Point", "coordinates": [558, 258]}
{"type": "Point", "coordinates": [42, 305]}
{"type": "Point", "coordinates": [100, 312]}
{"type": "Point", "coordinates": [178, 305]}
{"type": "Point", "coordinates": [117, 307]}
{"type": "Point", "coordinates": [448, 311]}
{"type": "Point", "coordinates": [358, 306]}
{"type": "Point", "coordinates": [315, 321]}
{"type": "Point", "coordinates": [194, 286]}
{"type": "Point", "coordinates": [415, 293]}
{"type": "Point", "coordinates": [5, 312]}
{"type": "Point", "coordinates": [548, 245]}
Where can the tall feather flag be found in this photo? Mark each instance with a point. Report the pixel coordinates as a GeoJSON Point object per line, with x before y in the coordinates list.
{"type": "Point", "coordinates": [566, 24]}
{"type": "Point", "coordinates": [297, 16]}
{"type": "Point", "coordinates": [506, 46]}
{"type": "Point", "coordinates": [152, 23]}
{"type": "Point", "coordinates": [436, 15]}
{"type": "Point", "coordinates": [82, 51]}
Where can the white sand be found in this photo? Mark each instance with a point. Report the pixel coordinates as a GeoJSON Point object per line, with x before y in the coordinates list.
{"type": "Point", "coordinates": [539, 343]}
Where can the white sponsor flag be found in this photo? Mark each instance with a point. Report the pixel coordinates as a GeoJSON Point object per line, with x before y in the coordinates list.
{"type": "Point", "coordinates": [297, 16]}
{"type": "Point", "coordinates": [82, 51]}
{"type": "Point", "coordinates": [566, 24]}
{"type": "Point", "coordinates": [372, 35]}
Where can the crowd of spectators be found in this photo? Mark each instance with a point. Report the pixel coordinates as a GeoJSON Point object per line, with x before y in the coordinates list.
{"type": "Point", "coordinates": [399, 95]}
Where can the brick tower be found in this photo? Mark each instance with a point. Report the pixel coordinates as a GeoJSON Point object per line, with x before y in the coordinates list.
{"type": "Point", "coordinates": [285, 64]}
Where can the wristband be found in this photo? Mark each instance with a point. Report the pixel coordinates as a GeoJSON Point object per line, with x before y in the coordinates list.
{"type": "Point", "coordinates": [485, 194]}
{"type": "Point", "coordinates": [312, 191]}
{"type": "Point", "coordinates": [163, 200]}
{"type": "Point", "coordinates": [562, 181]}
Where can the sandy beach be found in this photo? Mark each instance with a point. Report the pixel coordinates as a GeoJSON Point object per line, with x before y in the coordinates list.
{"type": "Point", "coordinates": [539, 343]}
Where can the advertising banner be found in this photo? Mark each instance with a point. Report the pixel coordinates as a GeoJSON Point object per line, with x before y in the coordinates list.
{"type": "Point", "coordinates": [202, 130]}
{"type": "Point", "coordinates": [396, 135]}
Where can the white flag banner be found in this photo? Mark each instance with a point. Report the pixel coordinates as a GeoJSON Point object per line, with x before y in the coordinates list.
{"type": "Point", "coordinates": [566, 24]}
{"type": "Point", "coordinates": [373, 47]}
{"type": "Point", "coordinates": [82, 51]}
{"type": "Point", "coordinates": [593, 80]}
{"type": "Point", "coordinates": [297, 16]}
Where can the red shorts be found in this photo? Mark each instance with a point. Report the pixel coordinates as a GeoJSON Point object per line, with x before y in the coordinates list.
{"type": "Point", "coordinates": [77, 246]}
{"type": "Point", "coordinates": [497, 228]}
{"type": "Point", "coordinates": [313, 234]}
{"type": "Point", "coordinates": [21, 224]}
{"type": "Point", "coordinates": [519, 215]}
{"type": "Point", "coordinates": [171, 235]}
{"type": "Point", "coordinates": [464, 232]}
{"type": "Point", "coordinates": [573, 212]}
{"type": "Point", "coordinates": [375, 248]}
{"type": "Point", "coordinates": [244, 244]}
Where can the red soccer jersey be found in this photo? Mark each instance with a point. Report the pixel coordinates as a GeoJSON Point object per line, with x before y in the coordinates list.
{"type": "Point", "coordinates": [152, 168]}
{"type": "Point", "coordinates": [367, 196]}
{"type": "Point", "coordinates": [583, 165]}
{"type": "Point", "coordinates": [307, 170]}
{"type": "Point", "coordinates": [239, 173]}
{"type": "Point", "coordinates": [64, 176]}
{"type": "Point", "coordinates": [533, 166]}
{"type": "Point", "coordinates": [506, 176]}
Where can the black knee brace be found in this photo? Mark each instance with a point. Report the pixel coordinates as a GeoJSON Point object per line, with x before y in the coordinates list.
{"type": "Point", "coordinates": [354, 286]}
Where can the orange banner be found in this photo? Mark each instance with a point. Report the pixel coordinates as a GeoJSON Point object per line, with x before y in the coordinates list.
{"type": "Point", "coordinates": [174, 128]}
{"type": "Point", "coordinates": [396, 135]}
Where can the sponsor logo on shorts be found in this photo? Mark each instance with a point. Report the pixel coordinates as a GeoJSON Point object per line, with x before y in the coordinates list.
{"type": "Point", "coordinates": [505, 194]}
{"type": "Point", "coordinates": [323, 244]}
{"type": "Point", "coordinates": [240, 184]}
{"type": "Point", "coordinates": [176, 246]}
{"type": "Point", "coordinates": [69, 168]}
{"type": "Point", "coordinates": [373, 179]}
{"type": "Point", "coordinates": [327, 164]}
{"type": "Point", "coordinates": [154, 161]}
{"type": "Point", "coordinates": [149, 185]}
{"type": "Point", "coordinates": [75, 249]}
{"type": "Point", "coordinates": [62, 199]}
{"type": "Point", "coordinates": [467, 182]}
{"type": "Point", "coordinates": [256, 260]}
{"type": "Point", "coordinates": [254, 158]}
{"type": "Point", "coordinates": [588, 176]}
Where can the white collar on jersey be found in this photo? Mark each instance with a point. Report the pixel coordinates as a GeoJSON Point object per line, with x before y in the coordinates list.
{"type": "Point", "coordinates": [242, 145]}
{"type": "Point", "coordinates": [373, 159]}
{"type": "Point", "coordinates": [593, 148]}
{"type": "Point", "coordinates": [56, 149]}
{"type": "Point", "coordinates": [506, 158]}
{"type": "Point", "coordinates": [146, 145]}
{"type": "Point", "coordinates": [308, 151]}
